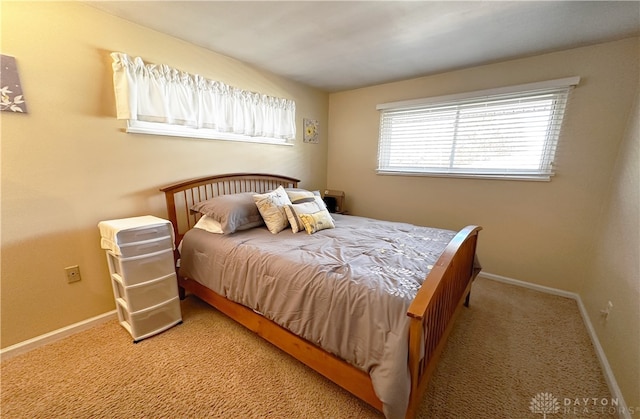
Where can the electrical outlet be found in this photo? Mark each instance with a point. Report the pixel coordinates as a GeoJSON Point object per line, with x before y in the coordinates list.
{"type": "Point", "coordinates": [605, 312]}
{"type": "Point", "coordinates": [73, 273]}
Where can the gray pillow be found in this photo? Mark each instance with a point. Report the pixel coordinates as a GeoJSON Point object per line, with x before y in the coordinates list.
{"type": "Point", "coordinates": [234, 212]}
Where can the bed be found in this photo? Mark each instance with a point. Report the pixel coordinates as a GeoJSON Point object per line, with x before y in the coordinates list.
{"type": "Point", "coordinates": [366, 303]}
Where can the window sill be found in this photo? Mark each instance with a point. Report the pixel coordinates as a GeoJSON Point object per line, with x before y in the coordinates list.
{"type": "Point", "coordinates": [156, 128]}
{"type": "Point", "coordinates": [520, 177]}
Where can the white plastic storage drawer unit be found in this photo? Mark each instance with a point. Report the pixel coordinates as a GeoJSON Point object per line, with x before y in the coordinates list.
{"type": "Point", "coordinates": [150, 321]}
{"type": "Point", "coordinates": [132, 249]}
{"type": "Point", "coordinates": [141, 264]}
{"type": "Point", "coordinates": [143, 268]}
{"type": "Point", "coordinates": [145, 295]}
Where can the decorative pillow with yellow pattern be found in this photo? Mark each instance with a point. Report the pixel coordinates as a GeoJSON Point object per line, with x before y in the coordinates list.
{"type": "Point", "coordinates": [294, 210]}
{"type": "Point", "coordinates": [317, 221]}
{"type": "Point", "coordinates": [271, 206]}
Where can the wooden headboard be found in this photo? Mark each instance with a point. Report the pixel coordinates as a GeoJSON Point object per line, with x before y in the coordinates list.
{"type": "Point", "coordinates": [182, 195]}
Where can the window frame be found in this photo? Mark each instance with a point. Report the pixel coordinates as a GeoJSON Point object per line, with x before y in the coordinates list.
{"type": "Point", "coordinates": [560, 87]}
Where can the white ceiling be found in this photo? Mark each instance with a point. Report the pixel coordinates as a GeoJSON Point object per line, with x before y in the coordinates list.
{"type": "Point", "coordinates": [343, 45]}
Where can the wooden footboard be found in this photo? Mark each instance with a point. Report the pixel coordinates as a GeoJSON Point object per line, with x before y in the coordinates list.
{"type": "Point", "coordinates": [432, 313]}
{"type": "Point", "coordinates": [435, 308]}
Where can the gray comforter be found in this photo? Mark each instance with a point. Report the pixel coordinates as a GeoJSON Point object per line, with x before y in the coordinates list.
{"type": "Point", "coordinates": [346, 289]}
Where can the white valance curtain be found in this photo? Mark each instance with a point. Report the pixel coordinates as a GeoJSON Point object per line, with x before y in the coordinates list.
{"type": "Point", "coordinates": [157, 93]}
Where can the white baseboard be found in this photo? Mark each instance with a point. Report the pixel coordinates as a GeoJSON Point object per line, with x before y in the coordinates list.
{"type": "Point", "coordinates": [529, 285]}
{"type": "Point", "coordinates": [623, 411]}
{"type": "Point", "coordinates": [38, 341]}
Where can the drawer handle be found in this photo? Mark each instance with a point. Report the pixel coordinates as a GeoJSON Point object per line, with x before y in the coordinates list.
{"type": "Point", "coordinates": [149, 255]}
{"type": "Point", "coordinates": [149, 246]}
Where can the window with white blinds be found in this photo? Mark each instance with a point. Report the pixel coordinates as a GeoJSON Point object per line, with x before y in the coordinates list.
{"type": "Point", "coordinates": [500, 133]}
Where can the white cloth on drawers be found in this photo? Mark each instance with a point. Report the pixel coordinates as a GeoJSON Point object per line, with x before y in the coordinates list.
{"type": "Point", "coordinates": [109, 230]}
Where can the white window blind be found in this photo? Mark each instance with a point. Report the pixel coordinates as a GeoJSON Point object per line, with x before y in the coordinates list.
{"type": "Point", "coordinates": [501, 133]}
{"type": "Point", "coordinates": [158, 99]}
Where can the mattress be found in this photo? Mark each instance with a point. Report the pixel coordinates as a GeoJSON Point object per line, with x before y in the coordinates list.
{"type": "Point", "coordinates": [347, 289]}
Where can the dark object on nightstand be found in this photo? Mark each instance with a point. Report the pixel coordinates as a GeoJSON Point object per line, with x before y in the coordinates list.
{"type": "Point", "coordinates": [331, 203]}
{"type": "Point", "coordinates": [334, 201]}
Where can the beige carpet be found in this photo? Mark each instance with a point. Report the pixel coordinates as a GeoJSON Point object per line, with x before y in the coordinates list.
{"type": "Point", "coordinates": [511, 345]}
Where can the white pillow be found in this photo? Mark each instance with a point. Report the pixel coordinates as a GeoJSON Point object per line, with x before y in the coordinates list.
{"type": "Point", "coordinates": [297, 196]}
{"type": "Point", "coordinates": [271, 207]}
{"type": "Point", "coordinates": [294, 210]}
{"type": "Point", "coordinates": [209, 224]}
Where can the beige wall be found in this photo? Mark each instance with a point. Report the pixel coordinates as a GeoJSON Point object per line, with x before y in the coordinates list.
{"type": "Point", "coordinates": [533, 231]}
{"type": "Point", "coordinates": [614, 272]}
{"type": "Point", "coordinates": [578, 232]}
{"type": "Point", "coordinates": [67, 164]}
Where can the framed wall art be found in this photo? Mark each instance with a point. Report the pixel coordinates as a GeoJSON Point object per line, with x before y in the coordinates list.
{"type": "Point", "coordinates": [11, 98]}
{"type": "Point", "coordinates": [310, 130]}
